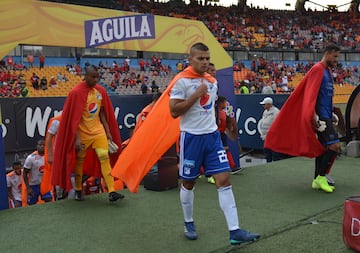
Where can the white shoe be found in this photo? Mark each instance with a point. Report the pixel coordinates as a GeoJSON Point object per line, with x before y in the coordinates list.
{"type": "Point", "coordinates": [330, 180]}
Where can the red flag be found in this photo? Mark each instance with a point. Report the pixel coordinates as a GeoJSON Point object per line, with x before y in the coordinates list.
{"type": "Point", "coordinates": [291, 132]}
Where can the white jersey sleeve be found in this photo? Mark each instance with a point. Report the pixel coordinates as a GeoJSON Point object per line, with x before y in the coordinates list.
{"type": "Point", "coordinates": [54, 127]}
{"type": "Point", "coordinates": [8, 181]}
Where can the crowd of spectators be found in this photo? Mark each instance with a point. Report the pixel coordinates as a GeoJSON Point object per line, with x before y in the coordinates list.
{"type": "Point", "coordinates": [16, 79]}
{"type": "Point", "coordinates": [261, 75]}
{"type": "Point", "coordinates": [43, 83]}
{"type": "Point", "coordinates": [121, 75]}
{"type": "Point", "coordinates": [278, 76]}
{"type": "Point", "coordinates": [259, 28]}
{"type": "Point", "coordinates": [13, 80]}
{"type": "Point", "coordinates": [12, 83]}
{"type": "Point", "coordinates": [235, 28]}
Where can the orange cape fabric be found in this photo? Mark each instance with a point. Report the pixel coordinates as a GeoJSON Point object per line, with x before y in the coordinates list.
{"type": "Point", "coordinates": [23, 193]}
{"type": "Point", "coordinates": [291, 132]}
{"type": "Point", "coordinates": [143, 114]}
{"type": "Point", "coordinates": [65, 155]}
{"type": "Point", "coordinates": [46, 179]}
{"type": "Point", "coordinates": [156, 135]}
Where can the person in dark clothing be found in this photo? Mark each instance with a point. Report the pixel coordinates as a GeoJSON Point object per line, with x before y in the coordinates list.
{"type": "Point", "coordinates": [154, 87]}
{"type": "Point", "coordinates": [144, 88]}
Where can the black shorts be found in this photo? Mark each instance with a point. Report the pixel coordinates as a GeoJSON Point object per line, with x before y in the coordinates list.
{"type": "Point", "coordinates": [329, 136]}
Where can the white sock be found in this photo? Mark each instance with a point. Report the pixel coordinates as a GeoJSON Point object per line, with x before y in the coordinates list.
{"type": "Point", "coordinates": [187, 203]}
{"type": "Point", "coordinates": [228, 206]}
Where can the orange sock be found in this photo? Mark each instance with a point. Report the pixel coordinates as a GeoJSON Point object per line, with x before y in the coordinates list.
{"type": "Point", "coordinates": [230, 158]}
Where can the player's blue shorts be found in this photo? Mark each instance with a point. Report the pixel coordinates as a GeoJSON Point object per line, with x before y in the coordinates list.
{"type": "Point", "coordinates": [201, 150]}
{"type": "Point", "coordinates": [33, 199]}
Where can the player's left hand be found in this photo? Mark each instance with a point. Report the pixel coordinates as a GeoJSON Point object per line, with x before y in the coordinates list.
{"type": "Point", "coordinates": [113, 148]}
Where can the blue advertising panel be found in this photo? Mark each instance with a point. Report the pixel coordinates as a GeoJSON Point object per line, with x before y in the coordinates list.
{"type": "Point", "coordinates": [8, 122]}
{"type": "Point", "coordinates": [25, 119]}
{"type": "Point", "coordinates": [248, 115]}
{"type": "Point", "coordinates": [3, 186]}
{"type": "Point", "coordinates": [226, 89]}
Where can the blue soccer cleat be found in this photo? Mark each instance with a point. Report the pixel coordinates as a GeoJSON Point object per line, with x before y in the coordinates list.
{"type": "Point", "coordinates": [190, 231]}
{"type": "Point", "coordinates": [240, 236]}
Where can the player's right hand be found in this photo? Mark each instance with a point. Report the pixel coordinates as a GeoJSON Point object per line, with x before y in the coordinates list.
{"type": "Point", "coordinates": [202, 89]}
{"type": "Point", "coordinates": [78, 144]}
{"type": "Point", "coordinates": [30, 192]}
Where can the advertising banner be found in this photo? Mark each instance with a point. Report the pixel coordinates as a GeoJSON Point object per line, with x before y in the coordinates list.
{"type": "Point", "coordinates": [25, 119]}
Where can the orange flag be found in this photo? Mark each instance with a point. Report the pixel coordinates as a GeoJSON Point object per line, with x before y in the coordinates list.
{"type": "Point", "coordinates": [23, 194]}
{"type": "Point", "coordinates": [45, 185]}
{"type": "Point", "coordinates": [156, 135]}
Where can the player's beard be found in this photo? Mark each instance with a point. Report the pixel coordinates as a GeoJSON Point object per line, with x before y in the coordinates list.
{"type": "Point", "coordinates": [331, 63]}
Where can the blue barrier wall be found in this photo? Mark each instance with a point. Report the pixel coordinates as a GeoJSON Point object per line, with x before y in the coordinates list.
{"type": "Point", "coordinates": [25, 119]}
{"type": "Point", "coordinates": [248, 115]}
{"type": "Point", "coordinates": [3, 186]}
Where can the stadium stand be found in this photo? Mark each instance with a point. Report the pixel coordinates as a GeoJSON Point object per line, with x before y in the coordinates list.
{"type": "Point", "coordinates": [237, 29]}
{"type": "Point", "coordinates": [63, 87]}
{"type": "Point", "coordinates": [347, 79]}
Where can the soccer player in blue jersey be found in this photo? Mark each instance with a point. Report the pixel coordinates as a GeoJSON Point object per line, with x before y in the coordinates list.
{"type": "Point", "coordinates": [192, 99]}
{"type": "Point", "coordinates": [304, 126]}
{"type": "Point", "coordinates": [324, 113]}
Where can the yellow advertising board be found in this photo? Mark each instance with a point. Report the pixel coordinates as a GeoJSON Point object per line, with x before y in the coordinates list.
{"type": "Point", "coordinates": [43, 23]}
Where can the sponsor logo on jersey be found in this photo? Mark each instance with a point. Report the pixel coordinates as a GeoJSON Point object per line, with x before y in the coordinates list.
{"type": "Point", "coordinates": [205, 102]}
{"type": "Point", "coordinates": [93, 107]}
{"type": "Point", "coordinates": [41, 169]}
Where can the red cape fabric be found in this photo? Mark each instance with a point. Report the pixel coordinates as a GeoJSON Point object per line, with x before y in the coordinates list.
{"type": "Point", "coordinates": [156, 135]}
{"type": "Point", "coordinates": [291, 132]}
{"type": "Point", "coordinates": [65, 156]}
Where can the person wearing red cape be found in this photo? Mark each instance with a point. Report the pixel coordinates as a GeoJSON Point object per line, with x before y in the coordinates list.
{"type": "Point", "coordinates": [88, 123]}
{"type": "Point", "coordinates": [304, 126]}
